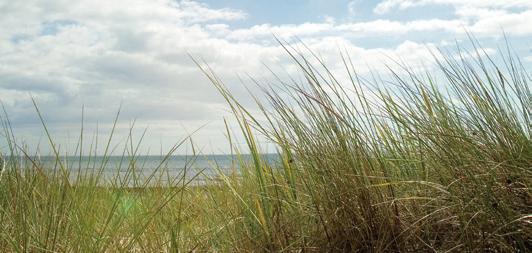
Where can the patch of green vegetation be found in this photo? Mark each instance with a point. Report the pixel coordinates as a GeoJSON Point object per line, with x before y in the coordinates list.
{"type": "Point", "coordinates": [418, 163]}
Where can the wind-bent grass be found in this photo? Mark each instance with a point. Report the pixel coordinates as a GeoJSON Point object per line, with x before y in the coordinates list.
{"type": "Point", "coordinates": [417, 164]}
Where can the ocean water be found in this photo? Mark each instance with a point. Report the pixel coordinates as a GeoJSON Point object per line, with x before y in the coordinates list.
{"type": "Point", "coordinates": [146, 170]}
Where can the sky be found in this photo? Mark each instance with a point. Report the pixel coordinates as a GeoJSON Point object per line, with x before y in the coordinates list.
{"type": "Point", "coordinates": [135, 55]}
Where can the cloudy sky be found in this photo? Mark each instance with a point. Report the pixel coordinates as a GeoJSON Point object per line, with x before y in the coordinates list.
{"type": "Point", "coordinates": [101, 54]}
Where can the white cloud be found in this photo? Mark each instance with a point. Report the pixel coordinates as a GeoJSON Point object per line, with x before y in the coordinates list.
{"type": "Point", "coordinates": [66, 54]}
{"type": "Point", "coordinates": [480, 17]}
{"type": "Point", "coordinates": [389, 27]}
{"type": "Point", "coordinates": [352, 7]}
{"type": "Point", "coordinates": [69, 53]}
{"type": "Point", "coordinates": [389, 5]}
{"type": "Point", "coordinates": [517, 24]}
{"type": "Point", "coordinates": [268, 30]}
{"type": "Point", "coordinates": [377, 27]}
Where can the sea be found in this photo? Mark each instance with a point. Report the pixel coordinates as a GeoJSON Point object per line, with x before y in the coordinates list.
{"type": "Point", "coordinates": [141, 171]}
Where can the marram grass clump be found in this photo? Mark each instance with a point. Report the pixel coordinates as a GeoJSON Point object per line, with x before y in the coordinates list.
{"type": "Point", "coordinates": [439, 161]}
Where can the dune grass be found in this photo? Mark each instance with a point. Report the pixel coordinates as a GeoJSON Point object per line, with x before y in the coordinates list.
{"type": "Point", "coordinates": [437, 161]}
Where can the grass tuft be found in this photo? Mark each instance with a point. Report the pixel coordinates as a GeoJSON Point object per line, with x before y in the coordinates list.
{"type": "Point", "coordinates": [437, 161]}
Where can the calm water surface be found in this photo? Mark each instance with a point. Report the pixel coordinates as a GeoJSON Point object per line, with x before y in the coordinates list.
{"type": "Point", "coordinates": [153, 170]}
